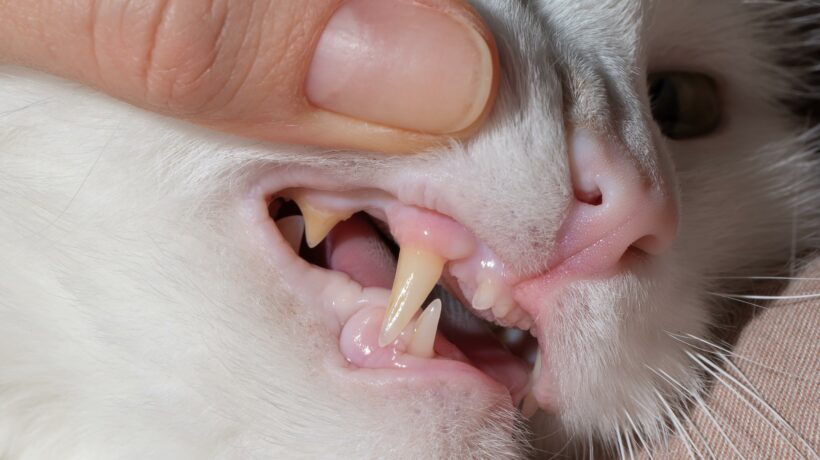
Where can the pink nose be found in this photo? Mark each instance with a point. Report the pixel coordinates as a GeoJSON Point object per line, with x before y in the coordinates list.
{"type": "Point", "coordinates": [615, 208]}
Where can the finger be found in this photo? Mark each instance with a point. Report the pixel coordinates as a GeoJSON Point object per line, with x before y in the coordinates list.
{"type": "Point", "coordinates": [385, 75]}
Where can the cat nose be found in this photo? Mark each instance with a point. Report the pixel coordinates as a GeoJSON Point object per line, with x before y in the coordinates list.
{"type": "Point", "coordinates": [615, 207]}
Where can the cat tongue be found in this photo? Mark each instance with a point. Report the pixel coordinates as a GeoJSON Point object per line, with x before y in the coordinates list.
{"type": "Point", "coordinates": [355, 248]}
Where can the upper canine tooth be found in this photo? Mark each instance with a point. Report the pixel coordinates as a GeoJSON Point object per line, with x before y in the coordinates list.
{"type": "Point", "coordinates": [318, 222]}
{"type": "Point", "coordinates": [424, 335]}
{"type": "Point", "coordinates": [292, 228]}
{"type": "Point", "coordinates": [417, 272]}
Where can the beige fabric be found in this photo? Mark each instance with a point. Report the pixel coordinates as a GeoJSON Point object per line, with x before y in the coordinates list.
{"type": "Point", "coordinates": [777, 358]}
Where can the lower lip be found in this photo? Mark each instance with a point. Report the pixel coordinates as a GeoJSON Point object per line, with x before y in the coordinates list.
{"type": "Point", "coordinates": [358, 343]}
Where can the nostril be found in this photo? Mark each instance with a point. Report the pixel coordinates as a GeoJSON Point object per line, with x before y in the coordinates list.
{"type": "Point", "coordinates": [616, 211]}
{"type": "Point", "coordinates": [592, 197]}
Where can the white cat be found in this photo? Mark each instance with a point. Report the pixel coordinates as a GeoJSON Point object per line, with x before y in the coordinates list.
{"type": "Point", "coordinates": [149, 307]}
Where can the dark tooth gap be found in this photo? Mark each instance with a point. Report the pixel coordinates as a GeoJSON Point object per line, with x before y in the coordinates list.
{"type": "Point", "coordinates": [517, 342]}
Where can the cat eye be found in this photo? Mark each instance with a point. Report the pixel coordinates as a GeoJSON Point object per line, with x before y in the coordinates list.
{"type": "Point", "coordinates": [685, 105]}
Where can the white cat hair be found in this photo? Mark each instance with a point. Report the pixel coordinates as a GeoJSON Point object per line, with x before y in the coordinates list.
{"type": "Point", "coordinates": [138, 320]}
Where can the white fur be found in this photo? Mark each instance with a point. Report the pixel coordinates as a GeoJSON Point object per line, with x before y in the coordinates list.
{"type": "Point", "coordinates": [137, 322]}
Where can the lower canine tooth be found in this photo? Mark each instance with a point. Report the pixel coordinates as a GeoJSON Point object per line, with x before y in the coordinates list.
{"type": "Point", "coordinates": [424, 336]}
{"type": "Point", "coordinates": [417, 272]}
{"type": "Point", "coordinates": [292, 228]}
{"type": "Point", "coordinates": [529, 406]}
{"type": "Point", "coordinates": [318, 222]}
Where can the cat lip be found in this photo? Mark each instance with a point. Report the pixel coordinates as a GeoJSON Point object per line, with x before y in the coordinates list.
{"type": "Point", "coordinates": [354, 310]}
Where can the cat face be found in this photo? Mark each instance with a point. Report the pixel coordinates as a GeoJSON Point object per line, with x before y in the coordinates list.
{"type": "Point", "coordinates": [155, 300]}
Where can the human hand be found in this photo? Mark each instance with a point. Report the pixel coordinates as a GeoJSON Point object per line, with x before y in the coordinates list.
{"type": "Point", "coordinates": [384, 75]}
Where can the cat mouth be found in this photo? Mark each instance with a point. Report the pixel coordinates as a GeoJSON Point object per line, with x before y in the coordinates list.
{"type": "Point", "coordinates": [413, 292]}
{"type": "Point", "coordinates": [373, 257]}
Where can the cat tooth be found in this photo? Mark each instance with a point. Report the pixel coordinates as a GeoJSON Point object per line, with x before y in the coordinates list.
{"type": "Point", "coordinates": [417, 272]}
{"type": "Point", "coordinates": [484, 297]}
{"type": "Point", "coordinates": [318, 222]}
{"type": "Point", "coordinates": [536, 368]}
{"type": "Point", "coordinates": [503, 306]}
{"type": "Point", "coordinates": [529, 406]}
{"type": "Point", "coordinates": [292, 229]}
{"type": "Point", "coordinates": [424, 335]}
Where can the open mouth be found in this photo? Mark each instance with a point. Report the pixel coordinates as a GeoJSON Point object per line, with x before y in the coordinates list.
{"type": "Point", "coordinates": [413, 294]}
{"type": "Point", "coordinates": [410, 288]}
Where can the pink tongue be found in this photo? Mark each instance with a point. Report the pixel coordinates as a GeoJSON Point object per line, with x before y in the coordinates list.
{"type": "Point", "coordinates": [486, 353]}
{"type": "Point", "coordinates": [353, 247]}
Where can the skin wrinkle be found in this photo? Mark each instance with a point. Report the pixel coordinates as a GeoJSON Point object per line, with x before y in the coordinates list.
{"type": "Point", "coordinates": [155, 29]}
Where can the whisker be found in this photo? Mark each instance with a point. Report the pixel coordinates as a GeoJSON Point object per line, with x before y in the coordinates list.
{"type": "Point", "coordinates": [766, 297]}
{"type": "Point", "coordinates": [719, 373]}
{"type": "Point", "coordinates": [763, 278]}
{"type": "Point", "coordinates": [736, 299]}
{"type": "Point", "coordinates": [755, 394]}
{"type": "Point", "coordinates": [722, 350]}
{"type": "Point", "coordinates": [696, 399]}
{"type": "Point", "coordinates": [687, 442]}
{"type": "Point", "coordinates": [638, 434]}
{"type": "Point", "coordinates": [628, 440]}
{"type": "Point", "coordinates": [664, 375]}
{"type": "Point", "coordinates": [621, 453]}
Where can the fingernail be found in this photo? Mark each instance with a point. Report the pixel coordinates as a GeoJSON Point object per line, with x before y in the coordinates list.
{"type": "Point", "coordinates": [403, 65]}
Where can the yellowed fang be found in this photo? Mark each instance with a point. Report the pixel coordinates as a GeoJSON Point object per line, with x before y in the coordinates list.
{"type": "Point", "coordinates": [424, 335]}
{"type": "Point", "coordinates": [417, 272]}
{"type": "Point", "coordinates": [292, 229]}
{"type": "Point", "coordinates": [318, 222]}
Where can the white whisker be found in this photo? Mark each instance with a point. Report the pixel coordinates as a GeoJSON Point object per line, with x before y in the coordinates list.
{"type": "Point", "coordinates": [735, 299]}
{"type": "Point", "coordinates": [719, 373]}
{"type": "Point", "coordinates": [664, 375]}
{"type": "Point", "coordinates": [766, 297]}
{"type": "Point", "coordinates": [637, 432]}
{"type": "Point", "coordinates": [687, 442]}
{"type": "Point", "coordinates": [693, 397]}
{"type": "Point", "coordinates": [763, 278]}
{"type": "Point", "coordinates": [628, 440]}
{"type": "Point", "coordinates": [621, 453]}
{"type": "Point", "coordinates": [755, 394]}
{"type": "Point", "coordinates": [723, 351]}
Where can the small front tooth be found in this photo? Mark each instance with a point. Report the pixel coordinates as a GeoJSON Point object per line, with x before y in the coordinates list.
{"type": "Point", "coordinates": [292, 228]}
{"type": "Point", "coordinates": [318, 222]}
{"type": "Point", "coordinates": [424, 335]}
{"type": "Point", "coordinates": [417, 272]}
{"type": "Point", "coordinates": [484, 297]}
{"type": "Point", "coordinates": [503, 307]}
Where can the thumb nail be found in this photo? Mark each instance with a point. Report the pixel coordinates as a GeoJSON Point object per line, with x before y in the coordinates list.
{"type": "Point", "coordinates": [403, 65]}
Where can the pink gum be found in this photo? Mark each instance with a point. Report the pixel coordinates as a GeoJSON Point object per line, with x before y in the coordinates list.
{"type": "Point", "coordinates": [420, 228]}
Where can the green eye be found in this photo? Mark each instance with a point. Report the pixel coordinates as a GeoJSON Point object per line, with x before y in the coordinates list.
{"type": "Point", "coordinates": [685, 105]}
